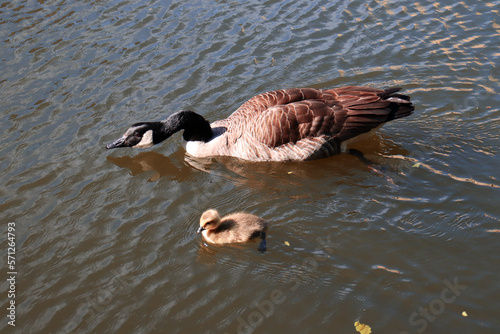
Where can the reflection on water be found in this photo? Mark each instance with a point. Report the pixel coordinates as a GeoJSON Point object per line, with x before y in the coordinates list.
{"type": "Point", "coordinates": [106, 241]}
{"type": "Point", "coordinates": [154, 162]}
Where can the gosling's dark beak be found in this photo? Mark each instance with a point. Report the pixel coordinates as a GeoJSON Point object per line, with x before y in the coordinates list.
{"type": "Point", "coordinates": [117, 143]}
{"type": "Point", "coordinates": [200, 229]}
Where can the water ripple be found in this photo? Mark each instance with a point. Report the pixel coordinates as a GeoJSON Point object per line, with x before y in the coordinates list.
{"type": "Point", "coordinates": [107, 240]}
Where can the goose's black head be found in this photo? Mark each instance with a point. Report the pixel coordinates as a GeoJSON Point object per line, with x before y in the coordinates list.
{"type": "Point", "coordinates": [140, 135]}
{"type": "Point", "coordinates": [147, 134]}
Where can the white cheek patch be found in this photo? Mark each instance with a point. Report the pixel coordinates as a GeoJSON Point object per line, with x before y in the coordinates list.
{"type": "Point", "coordinates": [147, 140]}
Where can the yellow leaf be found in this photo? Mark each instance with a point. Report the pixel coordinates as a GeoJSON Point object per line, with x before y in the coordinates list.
{"type": "Point", "coordinates": [464, 314]}
{"type": "Point", "coordinates": [362, 328]}
{"type": "Point", "coordinates": [416, 165]}
{"type": "Point", "coordinates": [287, 243]}
{"type": "Point", "coordinates": [290, 173]}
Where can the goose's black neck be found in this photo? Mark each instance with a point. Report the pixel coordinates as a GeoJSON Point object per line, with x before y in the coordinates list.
{"type": "Point", "coordinates": [195, 127]}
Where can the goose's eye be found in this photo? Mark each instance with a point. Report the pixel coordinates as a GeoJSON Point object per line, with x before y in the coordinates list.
{"type": "Point", "coordinates": [137, 135]}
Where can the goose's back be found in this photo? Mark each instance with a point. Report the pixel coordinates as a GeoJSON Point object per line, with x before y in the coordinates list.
{"type": "Point", "coordinates": [307, 123]}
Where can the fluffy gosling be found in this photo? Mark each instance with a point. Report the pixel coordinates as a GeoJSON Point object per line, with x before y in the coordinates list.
{"type": "Point", "coordinates": [234, 228]}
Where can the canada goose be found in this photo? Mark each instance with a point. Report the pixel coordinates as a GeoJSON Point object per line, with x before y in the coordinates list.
{"type": "Point", "coordinates": [234, 228]}
{"type": "Point", "coordinates": [289, 124]}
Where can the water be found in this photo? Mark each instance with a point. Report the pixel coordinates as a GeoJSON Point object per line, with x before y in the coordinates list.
{"type": "Point", "coordinates": [105, 240]}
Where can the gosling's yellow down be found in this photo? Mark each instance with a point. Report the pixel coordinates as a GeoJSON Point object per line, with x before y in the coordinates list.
{"type": "Point", "coordinates": [234, 228]}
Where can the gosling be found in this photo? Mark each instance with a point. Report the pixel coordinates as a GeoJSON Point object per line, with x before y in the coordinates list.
{"type": "Point", "coordinates": [234, 228]}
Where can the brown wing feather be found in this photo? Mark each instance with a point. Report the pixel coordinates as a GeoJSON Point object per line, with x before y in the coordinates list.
{"type": "Point", "coordinates": [287, 116]}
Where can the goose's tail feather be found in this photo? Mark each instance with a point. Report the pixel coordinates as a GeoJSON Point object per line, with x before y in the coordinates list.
{"type": "Point", "coordinates": [400, 104]}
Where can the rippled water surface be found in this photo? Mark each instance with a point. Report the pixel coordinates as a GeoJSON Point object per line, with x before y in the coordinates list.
{"type": "Point", "coordinates": [106, 240]}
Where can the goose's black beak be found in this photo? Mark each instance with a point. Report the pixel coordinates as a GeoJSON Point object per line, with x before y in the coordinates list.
{"type": "Point", "coordinates": [118, 143]}
{"type": "Point", "coordinates": [200, 229]}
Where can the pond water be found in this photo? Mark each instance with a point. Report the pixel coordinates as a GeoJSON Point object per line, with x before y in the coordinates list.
{"type": "Point", "coordinates": [105, 241]}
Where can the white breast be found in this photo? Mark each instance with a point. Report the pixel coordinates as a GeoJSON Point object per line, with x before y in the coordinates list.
{"type": "Point", "coordinates": [217, 146]}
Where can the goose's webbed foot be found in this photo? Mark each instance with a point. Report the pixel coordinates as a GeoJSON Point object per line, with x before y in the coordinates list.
{"type": "Point", "coordinates": [378, 169]}
{"type": "Point", "coordinates": [263, 244]}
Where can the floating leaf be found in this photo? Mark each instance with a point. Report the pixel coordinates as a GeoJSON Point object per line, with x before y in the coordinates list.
{"type": "Point", "coordinates": [362, 328]}
{"type": "Point", "coordinates": [416, 165]}
{"type": "Point", "coordinates": [290, 173]}
{"type": "Point", "coordinates": [464, 314]}
{"type": "Point", "coordinates": [287, 243]}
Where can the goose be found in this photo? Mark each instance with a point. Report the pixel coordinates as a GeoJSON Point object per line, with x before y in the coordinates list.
{"type": "Point", "coordinates": [234, 228]}
{"type": "Point", "coordinates": [284, 125]}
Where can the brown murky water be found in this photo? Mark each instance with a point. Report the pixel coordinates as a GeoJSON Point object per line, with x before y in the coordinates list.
{"type": "Point", "coordinates": [105, 241]}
